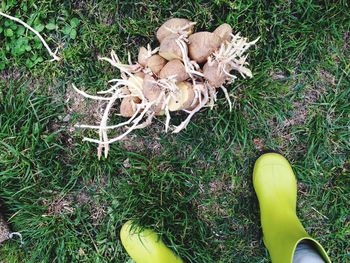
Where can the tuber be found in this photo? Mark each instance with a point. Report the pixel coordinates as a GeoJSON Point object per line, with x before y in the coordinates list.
{"type": "Point", "coordinates": [143, 56]}
{"type": "Point", "coordinates": [153, 93]}
{"type": "Point", "coordinates": [174, 68]}
{"type": "Point", "coordinates": [156, 63]}
{"type": "Point", "coordinates": [173, 26]}
{"type": "Point", "coordinates": [169, 49]}
{"type": "Point", "coordinates": [128, 106]}
{"type": "Point", "coordinates": [214, 74]}
{"type": "Point", "coordinates": [202, 45]}
{"type": "Point", "coordinates": [223, 31]}
{"type": "Point", "coordinates": [183, 97]}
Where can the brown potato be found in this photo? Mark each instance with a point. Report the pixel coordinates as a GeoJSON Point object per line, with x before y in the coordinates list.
{"type": "Point", "coordinates": [174, 24]}
{"type": "Point", "coordinates": [213, 75]}
{"type": "Point", "coordinates": [174, 68]}
{"type": "Point", "coordinates": [140, 74]}
{"type": "Point", "coordinates": [152, 92]}
{"type": "Point", "coordinates": [169, 49]}
{"type": "Point", "coordinates": [127, 106]}
{"type": "Point", "coordinates": [183, 99]}
{"type": "Point", "coordinates": [223, 31]}
{"type": "Point", "coordinates": [202, 45]}
{"type": "Point", "coordinates": [190, 96]}
{"type": "Point", "coordinates": [142, 56]}
{"type": "Point", "coordinates": [156, 63]}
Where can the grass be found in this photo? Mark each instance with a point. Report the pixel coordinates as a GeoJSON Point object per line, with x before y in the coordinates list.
{"type": "Point", "coordinates": [194, 188]}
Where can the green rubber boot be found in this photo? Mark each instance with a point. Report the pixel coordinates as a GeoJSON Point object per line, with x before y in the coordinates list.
{"type": "Point", "coordinates": [145, 246]}
{"type": "Point", "coordinates": [275, 186]}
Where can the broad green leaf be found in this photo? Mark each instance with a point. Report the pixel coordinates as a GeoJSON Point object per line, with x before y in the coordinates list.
{"type": "Point", "coordinates": [39, 27]}
{"type": "Point", "coordinates": [51, 26]}
{"type": "Point", "coordinates": [74, 22]}
{"type": "Point", "coordinates": [24, 6]}
{"type": "Point", "coordinates": [66, 30]}
{"type": "Point", "coordinates": [73, 33]}
{"type": "Point", "coordinates": [38, 44]}
{"type": "Point", "coordinates": [20, 31]}
{"type": "Point", "coordinates": [8, 32]}
{"type": "Point", "coordinates": [8, 23]}
{"type": "Point", "coordinates": [34, 57]}
{"type": "Point", "coordinates": [29, 63]}
{"type": "Point", "coordinates": [13, 26]}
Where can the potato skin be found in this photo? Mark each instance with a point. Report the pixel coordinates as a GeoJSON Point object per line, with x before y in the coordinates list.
{"type": "Point", "coordinates": [151, 92]}
{"type": "Point", "coordinates": [223, 31]}
{"type": "Point", "coordinates": [169, 49]}
{"type": "Point", "coordinates": [184, 98]}
{"type": "Point", "coordinates": [126, 106]}
{"type": "Point", "coordinates": [142, 56]}
{"type": "Point", "coordinates": [191, 95]}
{"type": "Point", "coordinates": [174, 68]}
{"type": "Point", "coordinates": [140, 74]}
{"type": "Point", "coordinates": [202, 45]}
{"type": "Point", "coordinates": [156, 63]}
{"type": "Point", "coordinates": [215, 77]}
{"type": "Point", "coordinates": [174, 24]}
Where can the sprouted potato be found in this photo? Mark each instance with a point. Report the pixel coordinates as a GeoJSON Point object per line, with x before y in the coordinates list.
{"type": "Point", "coordinates": [183, 74]}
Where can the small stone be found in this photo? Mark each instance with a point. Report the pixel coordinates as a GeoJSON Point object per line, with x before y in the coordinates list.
{"type": "Point", "coordinates": [126, 163]}
{"type": "Point", "coordinates": [66, 118]}
{"type": "Point", "coordinates": [4, 229]}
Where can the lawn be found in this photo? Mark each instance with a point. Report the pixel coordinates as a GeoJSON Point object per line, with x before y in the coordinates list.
{"type": "Point", "coordinates": [194, 188]}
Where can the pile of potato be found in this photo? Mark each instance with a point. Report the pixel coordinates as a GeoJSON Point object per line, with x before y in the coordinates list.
{"type": "Point", "coordinates": [182, 74]}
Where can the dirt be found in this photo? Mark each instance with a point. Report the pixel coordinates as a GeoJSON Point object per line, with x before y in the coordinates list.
{"type": "Point", "coordinates": [63, 205]}
{"type": "Point", "coordinates": [149, 144]}
{"type": "Point", "coordinates": [327, 77]}
{"type": "Point", "coordinates": [277, 75]}
{"type": "Point", "coordinates": [89, 111]}
{"type": "Point", "coordinates": [217, 188]}
{"type": "Point", "coordinates": [78, 110]}
{"type": "Point", "coordinates": [98, 213]}
{"type": "Point", "coordinates": [98, 210]}
{"type": "Point", "coordinates": [60, 205]}
{"type": "Point", "coordinates": [259, 143]}
{"type": "Point", "coordinates": [7, 75]}
{"type": "Point", "coordinates": [300, 112]}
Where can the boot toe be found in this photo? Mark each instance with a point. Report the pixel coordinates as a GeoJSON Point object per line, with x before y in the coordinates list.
{"type": "Point", "coordinates": [273, 178]}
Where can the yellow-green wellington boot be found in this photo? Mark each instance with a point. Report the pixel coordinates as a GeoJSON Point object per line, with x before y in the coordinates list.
{"type": "Point", "coordinates": [275, 185]}
{"type": "Point", "coordinates": [145, 246]}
